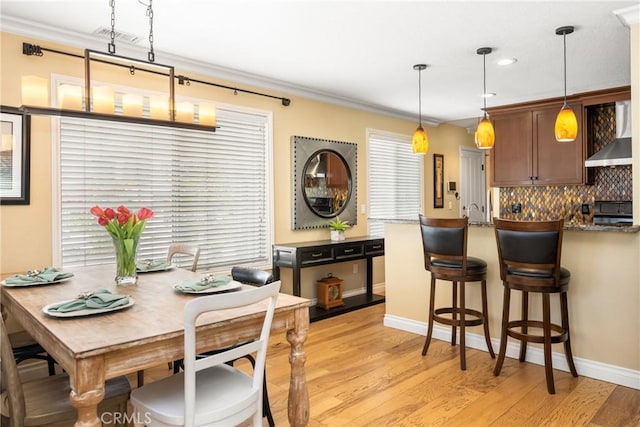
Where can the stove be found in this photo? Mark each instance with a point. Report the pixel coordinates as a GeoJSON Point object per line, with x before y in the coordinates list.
{"type": "Point", "coordinates": [613, 213]}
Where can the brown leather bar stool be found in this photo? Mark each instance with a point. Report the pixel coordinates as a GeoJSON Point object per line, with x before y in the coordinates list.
{"type": "Point", "coordinates": [445, 255]}
{"type": "Point", "coordinates": [529, 255]}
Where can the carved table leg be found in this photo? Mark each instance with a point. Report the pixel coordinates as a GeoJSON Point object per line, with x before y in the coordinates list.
{"type": "Point", "coordinates": [87, 390]}
{"type": "Point", "coordinates": [298, 408]}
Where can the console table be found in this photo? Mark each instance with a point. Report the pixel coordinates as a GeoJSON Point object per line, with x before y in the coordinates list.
{"type": "Point", "coordinates": [310, 254]}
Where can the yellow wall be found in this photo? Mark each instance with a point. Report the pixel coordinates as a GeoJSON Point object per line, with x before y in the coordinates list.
{"type": "Point", "coordinates": [26, 232]}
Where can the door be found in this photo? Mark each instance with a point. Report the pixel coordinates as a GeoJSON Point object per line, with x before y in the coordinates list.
{"type": "Point", "coordinates": [473, 194]}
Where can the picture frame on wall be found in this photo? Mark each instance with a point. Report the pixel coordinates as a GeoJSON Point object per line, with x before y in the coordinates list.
{"type": "Point", "coordinates": [438, 181]}
{"type": "Point", "coordinates": [15, 156]}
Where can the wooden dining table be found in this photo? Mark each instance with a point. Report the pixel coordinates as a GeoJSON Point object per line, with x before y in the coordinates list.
{"type": "Point", "coordinates": [94, 348]}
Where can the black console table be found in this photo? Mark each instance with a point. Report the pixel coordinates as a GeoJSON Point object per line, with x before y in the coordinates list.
{"type": "Point", "coordinates": [310, 254]}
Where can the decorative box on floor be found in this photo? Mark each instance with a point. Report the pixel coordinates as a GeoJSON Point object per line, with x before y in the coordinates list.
{"type": "Point", "coordinates": [329, 290]}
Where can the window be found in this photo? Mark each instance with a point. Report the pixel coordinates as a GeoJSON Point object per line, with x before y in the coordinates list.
{"type": "Point", "coordinates": [207, 189]}
{"type": "Point", "coordinates": [395, 176]}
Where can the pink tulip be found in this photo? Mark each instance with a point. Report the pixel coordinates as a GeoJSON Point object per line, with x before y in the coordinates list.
{"type": "Point", "coordinates": [123, 210]}
{"type": "Point", "coordinates": [109, 213]}
{"type": "Point", "coordinates": [103, 221]}
{"type": "Point", "coordinates": [144, 214]}
{"type": "Point", "coordinates": [97, 211]}
{"type": "Point", "coordinates": [123, 218]}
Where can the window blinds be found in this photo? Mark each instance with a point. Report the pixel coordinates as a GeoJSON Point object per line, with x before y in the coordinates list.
{"type": "Point", "coordinates": [394, 179]}
{"type": "Point", "coordinates": [206, 189]}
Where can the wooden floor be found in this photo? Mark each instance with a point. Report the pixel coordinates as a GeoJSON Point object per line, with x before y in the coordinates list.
{"type": "Point", "coordinates": [360, 373]}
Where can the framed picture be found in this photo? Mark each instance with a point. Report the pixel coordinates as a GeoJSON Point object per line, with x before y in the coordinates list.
{"type": "Point", "coordinates": [14, 157]}
{"type": "Point", "coordinates": [438, 181]}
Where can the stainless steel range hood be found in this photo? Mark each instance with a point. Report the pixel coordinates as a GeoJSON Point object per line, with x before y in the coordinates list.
{"type": "Point", "coordinates": [617, 153]}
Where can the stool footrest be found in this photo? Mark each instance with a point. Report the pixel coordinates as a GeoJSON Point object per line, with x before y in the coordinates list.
{"type": "Point", "coordinates": [475, 320]}
{"type": "Point", "coordinates": [561, 336]}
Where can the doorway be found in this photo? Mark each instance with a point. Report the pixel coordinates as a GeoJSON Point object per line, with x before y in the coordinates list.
{"type": "Point", "coordinates": [473, 192]}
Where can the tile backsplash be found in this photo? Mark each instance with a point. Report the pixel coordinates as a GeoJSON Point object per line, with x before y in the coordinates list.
{"type": "Point", "coordinates": [552, 202]}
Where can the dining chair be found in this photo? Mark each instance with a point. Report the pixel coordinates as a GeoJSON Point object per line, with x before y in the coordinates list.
{"type": "Point", "coordinates": [176, 249]}
{"type": "Point", "coordinates": [224, 394]}
{"type": "Point", "coordinates": [184, 249]}
{"type": "Point", "coordinates": [529, 254]}
{"type": "Point", "coordinates": [24, 347]}
{"type": "Point", "coordinates": [253, 277]}
{"type": "Point", "coordinates": [45, 401]}
{"type": "Point", "coordinates": [444, 242]}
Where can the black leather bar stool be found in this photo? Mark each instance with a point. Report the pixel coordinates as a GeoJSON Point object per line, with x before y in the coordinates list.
{"type": "Point", "coordinates": [529, 254]}
{"type": "Point", "coordinates": [445, 255]}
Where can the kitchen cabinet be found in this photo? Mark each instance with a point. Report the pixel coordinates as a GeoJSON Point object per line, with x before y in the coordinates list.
{"type": "Point", "coordinates": [526, 151]}
{"type": "Point", "coordinates": [336, 172]}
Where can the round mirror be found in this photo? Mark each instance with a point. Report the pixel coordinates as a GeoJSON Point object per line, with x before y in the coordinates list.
{"type": "Point", "coordinates": [326, 183]}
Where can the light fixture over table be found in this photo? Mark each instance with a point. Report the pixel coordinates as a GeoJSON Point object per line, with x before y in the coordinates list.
{"type": "Point", "coordinates": [420, 142]}
{"type": "Point", "coordinates": [99, 102]}
{"type": "Point", "coordinates": [485, 135]}
{"type": "Point", "coordinates": [566, 128]}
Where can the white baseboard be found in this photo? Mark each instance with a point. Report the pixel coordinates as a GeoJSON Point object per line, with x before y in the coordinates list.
{"type": "Point", "coordinates": [588, 368]}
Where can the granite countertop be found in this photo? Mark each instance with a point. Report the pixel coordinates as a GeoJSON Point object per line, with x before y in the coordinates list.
{"type": "Point", "coordinates": [567, 226]}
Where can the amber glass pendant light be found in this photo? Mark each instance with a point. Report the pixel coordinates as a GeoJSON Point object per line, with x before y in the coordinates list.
{"type": "Point", "coordinates": [566, 128]}
{"type": "Point", "coordinates": [485, 135]}
{"type": "Point", "coordinates": [420, 142]}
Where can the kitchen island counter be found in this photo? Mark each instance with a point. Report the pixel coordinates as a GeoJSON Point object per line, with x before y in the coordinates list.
{"type": "Point", "coordinates": [567, 226]}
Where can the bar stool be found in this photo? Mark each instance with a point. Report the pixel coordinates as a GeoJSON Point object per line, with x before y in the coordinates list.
{"type": "Point", "coordinates": [529, 255]}
{"type": "Point", "coordinates": [445, 255]}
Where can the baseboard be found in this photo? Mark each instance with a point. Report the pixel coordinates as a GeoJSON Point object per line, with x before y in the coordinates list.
{"type": "Point", "coordinates": [585, 367]}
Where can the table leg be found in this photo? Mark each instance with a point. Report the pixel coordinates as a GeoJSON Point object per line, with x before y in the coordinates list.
{"type": "Point", "coordinates": [298, 405]}
{"type": "Point", "coordinates": [87, 390]}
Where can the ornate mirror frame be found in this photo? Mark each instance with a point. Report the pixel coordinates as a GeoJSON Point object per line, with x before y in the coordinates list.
{"type": "Point", "coordinates": [303, 149]}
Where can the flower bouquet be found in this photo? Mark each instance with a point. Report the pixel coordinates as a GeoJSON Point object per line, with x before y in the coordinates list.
{"type": "Point", "coordinates": [125, 229]}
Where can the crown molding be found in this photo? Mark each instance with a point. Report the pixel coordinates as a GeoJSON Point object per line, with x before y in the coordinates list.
{"type": "Point", "coordinates": [62, 36]}
{"type": "Point", "coordinates": [629, 15]}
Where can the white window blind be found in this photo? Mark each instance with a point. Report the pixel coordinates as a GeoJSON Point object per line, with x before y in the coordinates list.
{"type": "Point", "coordinates": [206, 189]}
{"type": "Point", "coordinates": [394, 179]}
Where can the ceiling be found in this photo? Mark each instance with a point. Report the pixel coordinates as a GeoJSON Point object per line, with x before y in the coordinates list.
{"type": "Point", "coordinates": [361, 53]}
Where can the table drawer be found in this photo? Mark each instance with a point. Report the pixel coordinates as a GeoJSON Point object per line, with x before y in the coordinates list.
{"type": "Point", "coordinates": [316, 255]}
{"type": "Point", "coordinates": [350, 251]}
{"type": "Point", "coordinates": [374, 248]}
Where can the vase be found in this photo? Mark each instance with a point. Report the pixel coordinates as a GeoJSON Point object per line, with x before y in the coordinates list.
{"type": "Point", "coordinates": [126, 274]}
{"type": "Point", "coordinates": [337, 235]}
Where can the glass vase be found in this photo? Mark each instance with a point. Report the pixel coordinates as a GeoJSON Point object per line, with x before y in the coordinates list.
{"type": "Point", "coordinates": [126, 274]}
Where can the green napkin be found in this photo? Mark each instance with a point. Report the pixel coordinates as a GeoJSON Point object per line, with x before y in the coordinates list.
{"type": "Point", "coordinates": [152, 264]}
{"type": "Point", "coordinates": [102, 298]}
{"type": "Point", "coordinates": [46, 275]}
{"type": "Point", "coordinates": [207, 282]}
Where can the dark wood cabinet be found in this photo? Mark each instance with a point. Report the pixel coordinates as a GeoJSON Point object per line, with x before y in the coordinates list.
{"type": "Point", "coordinates": [511, 159]}
{"type": "Point", "coordinates": [336, 172]}
{"type": "Point", "coordinates": [556, 162]}
{"type": "Point", "coordinates": [309, 254]}
{"type": "Point", "coordinates": [526, 151]}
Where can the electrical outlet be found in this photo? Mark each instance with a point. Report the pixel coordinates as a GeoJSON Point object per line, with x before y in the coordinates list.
{"type": "Point", "coordinates": [516, 208]}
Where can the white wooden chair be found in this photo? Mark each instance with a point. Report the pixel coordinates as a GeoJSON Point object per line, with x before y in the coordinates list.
{"type": "Point", "coordinates": [176, 249]}
{"type": "Point", "coordinates": [45, 401]}
{"type": "Point", "coordinates": [182, 249]}
{"type": "Point", "coordinates": [224, 395]}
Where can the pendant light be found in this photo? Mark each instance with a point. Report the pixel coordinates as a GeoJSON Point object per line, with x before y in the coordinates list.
{"type": "Point", "coordinates": [420, 142]}
{"type": "Point", "coordinates": [485, 135]}
{"type": "Point", "coordinates": [566, 128]}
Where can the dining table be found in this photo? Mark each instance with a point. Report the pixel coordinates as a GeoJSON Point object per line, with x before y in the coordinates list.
{"type": "Point", "coordinates": [94, 347]}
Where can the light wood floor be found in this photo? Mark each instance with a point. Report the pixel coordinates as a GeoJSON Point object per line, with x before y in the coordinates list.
{"type": "Point", "coordinates": [360, 373]}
